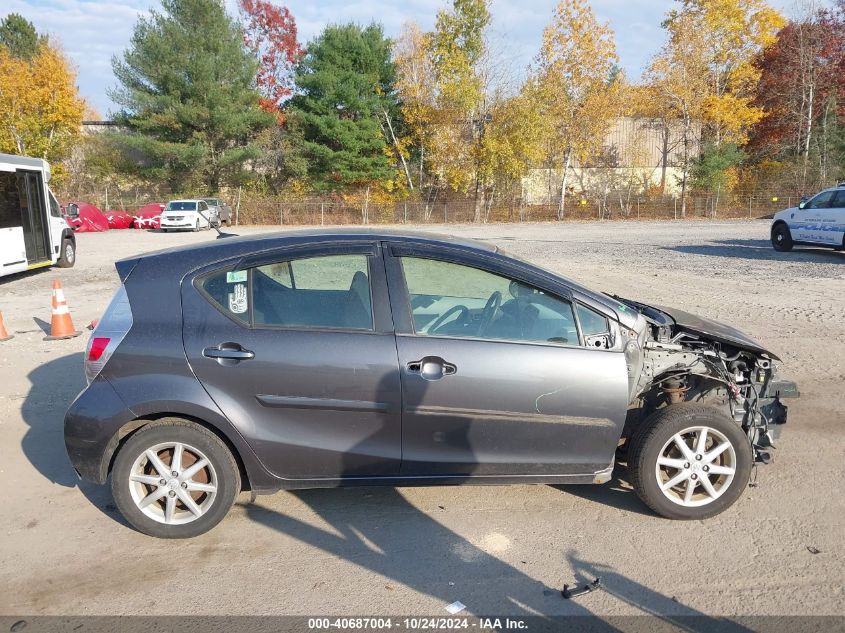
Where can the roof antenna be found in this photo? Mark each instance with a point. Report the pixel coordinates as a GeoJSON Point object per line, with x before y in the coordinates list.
{"type": "Point", "coordinates": [216, 227]}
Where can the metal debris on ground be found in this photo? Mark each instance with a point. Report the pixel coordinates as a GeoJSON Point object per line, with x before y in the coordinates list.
{"type": "Point", "coordinates": [574, 593]}
{"type": "Point", "coordinates": [813, 550]}
{"type": "Point", "coordinates": [455, 607]}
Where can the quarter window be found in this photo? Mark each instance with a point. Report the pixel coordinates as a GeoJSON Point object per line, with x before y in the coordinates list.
{"type": "Point", "coordinates": [592, 323]}
{"type": "Point", "coordinates": [449, 299]}
{"type": "Point", "coordinates": [316, 292]}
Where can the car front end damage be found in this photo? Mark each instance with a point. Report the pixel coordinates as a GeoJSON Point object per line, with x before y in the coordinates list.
{"type": "Point", "coordinates": [675, 357]}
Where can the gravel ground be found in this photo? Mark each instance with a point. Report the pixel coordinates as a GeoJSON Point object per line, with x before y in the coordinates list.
{"type": "Point", "coordinates": [65, 549]}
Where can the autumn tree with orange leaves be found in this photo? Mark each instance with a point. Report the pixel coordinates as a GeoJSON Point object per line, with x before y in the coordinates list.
{"type": "Point", "coordinates": [40, 108]}
{"type": "Point", "coordinates": [802, 90]}
{"type": "Point", "coordinates": [270, 32]}
{"type": "Point", "coordinates": [580, 85]}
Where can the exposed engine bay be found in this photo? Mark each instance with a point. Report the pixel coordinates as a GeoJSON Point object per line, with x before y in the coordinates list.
{"type": "Point", "coordinates": [674, 357]}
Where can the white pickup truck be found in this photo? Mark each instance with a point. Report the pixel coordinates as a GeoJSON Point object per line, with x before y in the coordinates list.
{"type": "Point", "coordinates": [33, 232]}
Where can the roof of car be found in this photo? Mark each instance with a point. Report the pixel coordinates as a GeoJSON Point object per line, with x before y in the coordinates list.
{"type": "Point", "coordinates": [263, 241]}
{"type": "Point", "coordinates": [185, 200]}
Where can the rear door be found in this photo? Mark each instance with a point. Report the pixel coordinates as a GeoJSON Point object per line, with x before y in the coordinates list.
{"type": "Point", "coordinates": [496, 377]}
{"type": "Point", "coordinates": [297, 349]}
{"type": "Point", "coordinates": [36, 231]}
{"type": "Point", "coordinates": [12, 244]}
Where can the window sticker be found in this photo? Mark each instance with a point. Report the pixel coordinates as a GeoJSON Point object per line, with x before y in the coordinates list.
{"type": "Point", "coordinates": [237, 299]}
{"type": "Point", "coordinates": [236, 276]}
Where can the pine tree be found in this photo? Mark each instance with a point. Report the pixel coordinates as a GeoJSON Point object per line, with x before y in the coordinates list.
{"type": "Point", "coordinates": [187, 89]}
{"type": "Point", "coordinates": [345, 86]}
{"type": "Point", "coordinates": [19, 36]}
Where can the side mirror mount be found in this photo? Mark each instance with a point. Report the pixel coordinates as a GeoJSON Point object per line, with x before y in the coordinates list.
{"type": "Point", "coordinates": [802, 204]}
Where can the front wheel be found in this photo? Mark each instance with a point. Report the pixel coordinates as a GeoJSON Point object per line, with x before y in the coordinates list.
{"type": "Point", "coordinates": [68, 254]}
{"type": "Point", "coordinates": [174, 479]}
{"type": "Point", "coordinates": [689, 461]}
{"type": "Point", "coordinates": [781, 238]}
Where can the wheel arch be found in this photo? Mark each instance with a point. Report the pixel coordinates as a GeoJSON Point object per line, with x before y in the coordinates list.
{"type": "Point", "coordinates": [693, 389]}
{"type": "Point", "coordinates": [128, 429]}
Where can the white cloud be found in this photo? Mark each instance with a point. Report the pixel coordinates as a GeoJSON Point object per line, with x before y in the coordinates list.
{"type": "Point", "coordinates": [91, 31]}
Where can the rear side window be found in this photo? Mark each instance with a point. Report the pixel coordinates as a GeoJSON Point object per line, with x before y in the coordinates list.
{"type": "Point", "coordinates": [332, 291]}
{"type": "Point", "coordinates": [329, 292]}
{"type": "Point", "coordinates": [10, 201]}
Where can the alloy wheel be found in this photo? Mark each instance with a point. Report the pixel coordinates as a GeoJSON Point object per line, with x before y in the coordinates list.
{"type": "Point", "coordinates": [696, 466]}
{"type": "Point", "coordinates": [173, 483]}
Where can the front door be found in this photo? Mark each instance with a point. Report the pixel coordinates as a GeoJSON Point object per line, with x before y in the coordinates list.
{"type": "Point", "coordinates": [832, 221]}
{"type": "Point", "coordinates": [298, 352]}
{"type": "Point", "coordinates": [495, 379]}
{"type": "Point", "coordinates": [33, 216]}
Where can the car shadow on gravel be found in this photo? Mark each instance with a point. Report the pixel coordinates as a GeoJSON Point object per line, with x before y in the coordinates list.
{"type": "Point", "coordinates": [379, 531]}
{"type": "Point", "coordinates": [758, 249]}
{"type": "Point", "coordinates": [616, 493]}
{"type": "Point", "coordinates": [53, 386]}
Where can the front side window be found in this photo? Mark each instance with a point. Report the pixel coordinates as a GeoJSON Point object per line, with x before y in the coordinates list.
{"type": "Point", "coordinates": [449, 299]}
{"type": "Point", "coordinates": [331, 291]}
{"type": "Point", "coordinates": [821, 201]}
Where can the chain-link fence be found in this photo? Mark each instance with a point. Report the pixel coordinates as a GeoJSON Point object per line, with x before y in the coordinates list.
{"type": "Point", "coordinates": [282, 212]}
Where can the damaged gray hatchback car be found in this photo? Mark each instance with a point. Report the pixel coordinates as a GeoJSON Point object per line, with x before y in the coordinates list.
{"type": "Point", "coordinates": [331, 358]}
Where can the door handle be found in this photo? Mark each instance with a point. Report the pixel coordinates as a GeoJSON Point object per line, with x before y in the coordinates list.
{"type": "Point", "coordinates": [228, 353]}
{"type": "Point", "coordinates": [431, 368]}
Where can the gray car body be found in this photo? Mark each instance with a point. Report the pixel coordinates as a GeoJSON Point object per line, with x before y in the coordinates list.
{"type": "Point", "coordinates": [224, 211]}
{"type": "Point", "coordinates": [323, 408]}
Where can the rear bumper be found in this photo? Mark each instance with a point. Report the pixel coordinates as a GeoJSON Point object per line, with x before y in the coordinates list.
{"type": "Point", "coordinates": [90, 421]}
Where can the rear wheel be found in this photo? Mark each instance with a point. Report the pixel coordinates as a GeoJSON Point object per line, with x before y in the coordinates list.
{"type": "Point", "coordinates": [689, 461]}
{"type": "Point", "coordinates": [67, 257]}
{"type": "Point", "coordinates": [174, 479]}
{"type": "Point", "coordinates": [781, 238]}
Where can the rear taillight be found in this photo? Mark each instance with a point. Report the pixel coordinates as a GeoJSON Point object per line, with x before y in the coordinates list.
{"type": "Point", "coordinates": [109, 332]}
{"type": "Point", "coordinates": [98, 346]}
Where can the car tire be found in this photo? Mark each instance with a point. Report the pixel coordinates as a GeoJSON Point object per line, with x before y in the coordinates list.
{"type": "Point", "coordinates": [163, 510]}
{"type": "Point", "coordinates": [197, 227]}
{"type": "Point", "coordinates": [67, 254]}
{"type": "Point", "coordinates": [781, 238]}
{"type": "Point", "coordinates": [655, 460]}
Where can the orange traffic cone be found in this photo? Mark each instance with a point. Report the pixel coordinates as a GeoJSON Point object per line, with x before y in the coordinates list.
{"type": "Point", "coordinates": [61, 325]}
{"type": "Point", "coordinates": [4, 335]}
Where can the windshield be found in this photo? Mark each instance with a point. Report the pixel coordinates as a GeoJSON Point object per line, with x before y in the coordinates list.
{"type": "Point", "coordinates": [181, 206]}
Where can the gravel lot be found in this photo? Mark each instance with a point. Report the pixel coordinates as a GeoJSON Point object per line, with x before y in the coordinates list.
{"type": "Point", "coordinates": [65, 550]}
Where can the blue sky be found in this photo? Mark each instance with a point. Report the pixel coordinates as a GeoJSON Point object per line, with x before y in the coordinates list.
{"type": "Point", "coordinates": [91, 31]}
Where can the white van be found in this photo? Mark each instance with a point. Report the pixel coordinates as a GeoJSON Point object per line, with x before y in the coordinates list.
{"type": "Point", "coordinates": [33, 232]}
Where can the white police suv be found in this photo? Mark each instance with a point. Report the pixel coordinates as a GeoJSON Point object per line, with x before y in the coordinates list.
{"type": "Point", "coordinates": [817, 221]}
